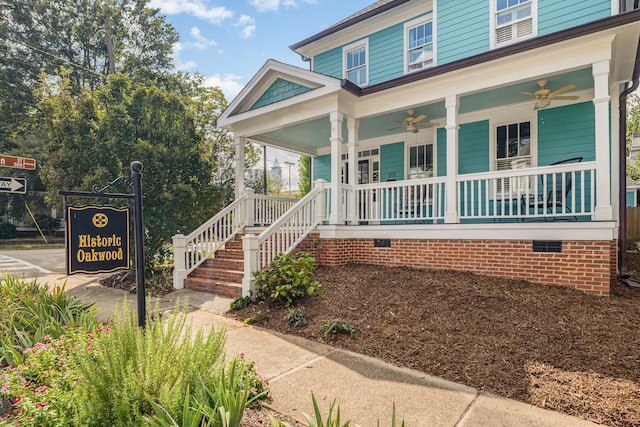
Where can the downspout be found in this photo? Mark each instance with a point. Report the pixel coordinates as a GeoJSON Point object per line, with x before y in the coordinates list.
{"type": "Point", "coordinates": [622, 167]}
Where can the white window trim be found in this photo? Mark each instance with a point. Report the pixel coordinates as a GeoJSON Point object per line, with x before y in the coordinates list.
{"type": "Point", "coordinates": [494, 123]}
{"type": "Point", "coordinates": [414, 23]}
{"type": "Point", "coordinates": [492, 23]}
{"type": "Point", "coordinates": [353, 46]}
{"type": "Point", "coordinates": [431, 138]}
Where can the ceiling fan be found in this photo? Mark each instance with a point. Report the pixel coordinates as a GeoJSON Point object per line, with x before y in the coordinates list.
{"type": "Point", "coordinates": [544, 95]}
{"type": "Point", "coordinates": [412, 123]}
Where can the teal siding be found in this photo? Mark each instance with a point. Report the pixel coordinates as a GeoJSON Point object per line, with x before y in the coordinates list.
{"type": "Point", "coordinates": [462, 29]}
{"type": "Point", "coordinates": [566, 132]}
{"type": "Point", "coordinates": [473, 147]}
{"type": "Point", "coordinates": [329, 63]}
{"type": "Point", "coordinates": [392, 162]}
{"type": "Point", "coordinates": [279, 90]}
{"type": "Point", "coordinates": [386, 54]}
{"type": "Point", "coordinates": [554, 15]}
{"type": "Point", "coordinates": [441, 154]}
{"type": "Point", "coordinates": [322, 167]}
{"type": "Point", "coordinates": [631, 198]}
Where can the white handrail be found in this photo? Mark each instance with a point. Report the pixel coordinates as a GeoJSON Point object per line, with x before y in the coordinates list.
{"type": "Point", "coordinates": [284, 234]}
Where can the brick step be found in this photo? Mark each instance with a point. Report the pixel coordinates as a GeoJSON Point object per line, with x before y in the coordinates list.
{"type": "Point", "coordinates": [230, 254]}
{"type": "Point", "coordinates": [230, 290]}
{"type": "Point", "coordinates": [224, 264]}
{"type": "Point", "coordinates": [233, 276]}
{"type": "Point", "coordinates": [233, 245]}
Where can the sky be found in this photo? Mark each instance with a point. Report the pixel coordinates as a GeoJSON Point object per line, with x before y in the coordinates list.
{"type": "Point", "coordinates": [228, 41]}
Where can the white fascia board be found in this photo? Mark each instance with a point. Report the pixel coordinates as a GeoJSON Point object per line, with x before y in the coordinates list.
{"type": "Point", "coordinates": [363, 29]}
{"type": "Point", "coordinates": [558, 230]}
{"type": "Point", "coordinates": [546, 61]}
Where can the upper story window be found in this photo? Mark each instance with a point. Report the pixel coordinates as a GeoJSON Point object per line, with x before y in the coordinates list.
{"type": "Point", "coordinates": [419, 44]}
{"type": "Point", "coordinates": [513, 20]}
{"type": "Point", "coordinates": [513, 146]}
{"type": "Point", "coordinates": [355, 63]}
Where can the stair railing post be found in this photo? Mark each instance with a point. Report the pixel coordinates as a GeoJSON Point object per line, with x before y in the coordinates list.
{"type": "Point", "coordinates": [250, 247]}
{"type": "Point", "coordinates": [250, 215]}
{"type": "Point", "coordinates": [180, 257]}
{"type": "Point", "coordinates": [321, 205]}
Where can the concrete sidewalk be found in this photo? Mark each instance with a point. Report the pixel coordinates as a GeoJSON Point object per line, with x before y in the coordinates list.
{"type": "Point", "coordinates": [365, 388]}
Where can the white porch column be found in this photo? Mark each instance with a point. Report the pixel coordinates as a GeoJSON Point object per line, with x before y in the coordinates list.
{"type": "Point", "coordinates": [352, 128]}
{"type": "Point", "coordinates": [240, 143]}
{"type": "Point", "coordinates": [336, 158]}
{"type": "Point", "coordinates": [601, 99]}
{"type": "Point", "coordinates": [451, 208]}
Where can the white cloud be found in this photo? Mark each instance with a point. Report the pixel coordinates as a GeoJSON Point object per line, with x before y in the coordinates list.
{"type": "Point", "coordinates": [201, 42]}
{"type": "Point", "coordinates": [247, 26]}
{"type": "Point", "coordinates": [274, 5]}
{"type": "Point", "coordinates": [197, 8]}
{"type": "Point", "coordinates": [177, 60]}
{"type": "Point", "coordinates": [229, 84]}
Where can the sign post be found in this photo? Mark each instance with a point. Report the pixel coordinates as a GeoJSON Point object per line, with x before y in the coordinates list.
{"type": "Point", "coordinates": [136, 181]}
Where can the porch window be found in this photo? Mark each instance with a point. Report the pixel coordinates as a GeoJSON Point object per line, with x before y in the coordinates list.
{"type": "Point", "coordinates": [355, 61]}
{"type": "Point", "coordinates": [419, 45]}
{"type": "Point", "coordinates": [513, 20]}
{"type": "Point", "coordinates": [421, 161]}
{"type": "Point", "coordinates": [513, 149]}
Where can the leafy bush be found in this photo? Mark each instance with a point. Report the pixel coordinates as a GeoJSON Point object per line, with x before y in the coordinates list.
{"type": "Point", "coordinates": [287, 279]}
{"type": "Point", "coordinates": [332, 420]}
{"type": "Point", "coordinates": [240, 303]}
{"type": "Point", "coordinates": [334, 327]}
{"type": "Point", "coordinates": [7, 231]}
{"type": "Point", "coordinates": [29, 312]}
{"type": "Point", "coordinates": [132, 368]}
{"type": "Point", "coordinates": [296, 318]}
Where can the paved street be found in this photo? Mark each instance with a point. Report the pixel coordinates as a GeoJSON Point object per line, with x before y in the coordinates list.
{"type": "Point", "coordinates": [32, 262]}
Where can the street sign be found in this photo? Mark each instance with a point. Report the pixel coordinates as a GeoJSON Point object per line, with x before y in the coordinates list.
{"type": "Point", "coordinates": [13, 185]}
{"type": "Point", "coordinates": [17, 162]}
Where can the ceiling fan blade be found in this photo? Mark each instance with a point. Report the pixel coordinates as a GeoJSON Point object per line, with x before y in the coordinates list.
{"type": "Point", "coordinates": [427, 124]}
{"type": "Point", "coordinates": [420, 118]}
{"type": "Point", "coordinates": [397, 127]}
{"type": "Point", "coordinates": [564, 89]}
{"type": "Point", "coordinates": [567, 98]}
{"type": "Point", "coordinates": [529, 94]}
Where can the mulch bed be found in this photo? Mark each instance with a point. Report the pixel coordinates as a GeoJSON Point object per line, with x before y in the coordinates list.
{"type": "Point", "coordinates": [553, 347]}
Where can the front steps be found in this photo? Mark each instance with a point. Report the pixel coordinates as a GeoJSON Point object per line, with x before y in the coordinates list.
{"type": "Point", "coordinates": [221, 275]}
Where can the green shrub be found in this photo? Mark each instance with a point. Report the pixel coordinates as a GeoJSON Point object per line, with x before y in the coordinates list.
{"type": "Point", "coordinates": [29, 311]}
{"type": "Point", "coordinates": [287, 279]}
{"type": "Point", "coordinates": [240, 303]}
{"type": "Point", "coordinates": [332, 420]}
{"type": "Point", "coordinates": [296, 318]}
{"type": "Point", "coordinates": [132, 368]}
{"type": "Point", "coordinates": [7, 231]}
{"type": "Point", "coordinates": [334, 327]}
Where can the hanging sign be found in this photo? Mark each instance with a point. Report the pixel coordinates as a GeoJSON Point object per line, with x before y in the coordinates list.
{"type": "Point", "coordinates": [97, 239]}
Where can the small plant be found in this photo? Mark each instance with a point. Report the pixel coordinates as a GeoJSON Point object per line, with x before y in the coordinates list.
{"type": "Point", "coordinates": [241, 302]}
{"type": "Point", "coordinates": [287, 279]}
{"type": "Point", "coordinates": [332, 420]}
{"type": "Point", "coordinates": [296, 318]}
{"type": "Point", "coordinates": [7, 230]}
{"type": "Point", "coordinates": [334, 327]}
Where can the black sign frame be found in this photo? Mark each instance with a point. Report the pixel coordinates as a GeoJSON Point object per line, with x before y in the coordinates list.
{"type": "Point", "coordinates": [98, 237]}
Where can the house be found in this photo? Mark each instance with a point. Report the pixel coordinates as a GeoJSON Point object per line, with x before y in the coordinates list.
{"type": "Point", "coordinates": [472, 135]}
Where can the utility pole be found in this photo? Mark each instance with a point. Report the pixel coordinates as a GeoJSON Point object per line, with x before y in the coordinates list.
{"type": "Point", "coordinates": [289, 164]}
{"type": "Point", "coordinates": [110, 55]}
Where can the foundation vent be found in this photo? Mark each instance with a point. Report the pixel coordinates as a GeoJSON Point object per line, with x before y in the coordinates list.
{"type": "Point", "coordinates": [552, 246]}
{"type": "Point", "coordinates": [381, 243]}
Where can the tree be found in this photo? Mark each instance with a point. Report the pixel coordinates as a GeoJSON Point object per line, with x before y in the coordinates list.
{"type": "Point", "coordinates": [304, 168]}
{"type": "Point", "coordinates": [633, 127]}
{"type": "Point", "coordinates": [94, 137]}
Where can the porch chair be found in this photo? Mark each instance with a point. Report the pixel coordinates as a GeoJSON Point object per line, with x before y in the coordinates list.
{"type": "Point", "coordinates": [554, 195]}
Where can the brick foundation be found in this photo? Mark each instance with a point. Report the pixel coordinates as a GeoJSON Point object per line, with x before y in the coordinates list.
{"type": "Point", "coordinates": [585, 265]}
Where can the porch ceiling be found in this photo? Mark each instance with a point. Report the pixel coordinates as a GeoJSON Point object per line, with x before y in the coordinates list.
{"type": "Point", "coordinates": [313, 135]}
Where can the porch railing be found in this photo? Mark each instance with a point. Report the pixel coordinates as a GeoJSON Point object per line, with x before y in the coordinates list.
{"type": "Point", "coordinates": [560, 191]}
{"type": "Point", "coordinates": [284, 234]}
{"type": "Point", "coordinates": [250, 209]}
{"type": "Point", "coordinates": [417, 200]}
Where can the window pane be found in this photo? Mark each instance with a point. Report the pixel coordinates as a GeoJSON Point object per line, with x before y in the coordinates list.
{"type": "Point", "coordinates": [413, 154]}
{"type": "Point", "coordinates": [421, 158]}
{"type": "Point", "coordinates": [429, 157]}
{"type": "Point", "coordinates": [501, 136]}
{"type": "Point", "coordinates": [502, 4]}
